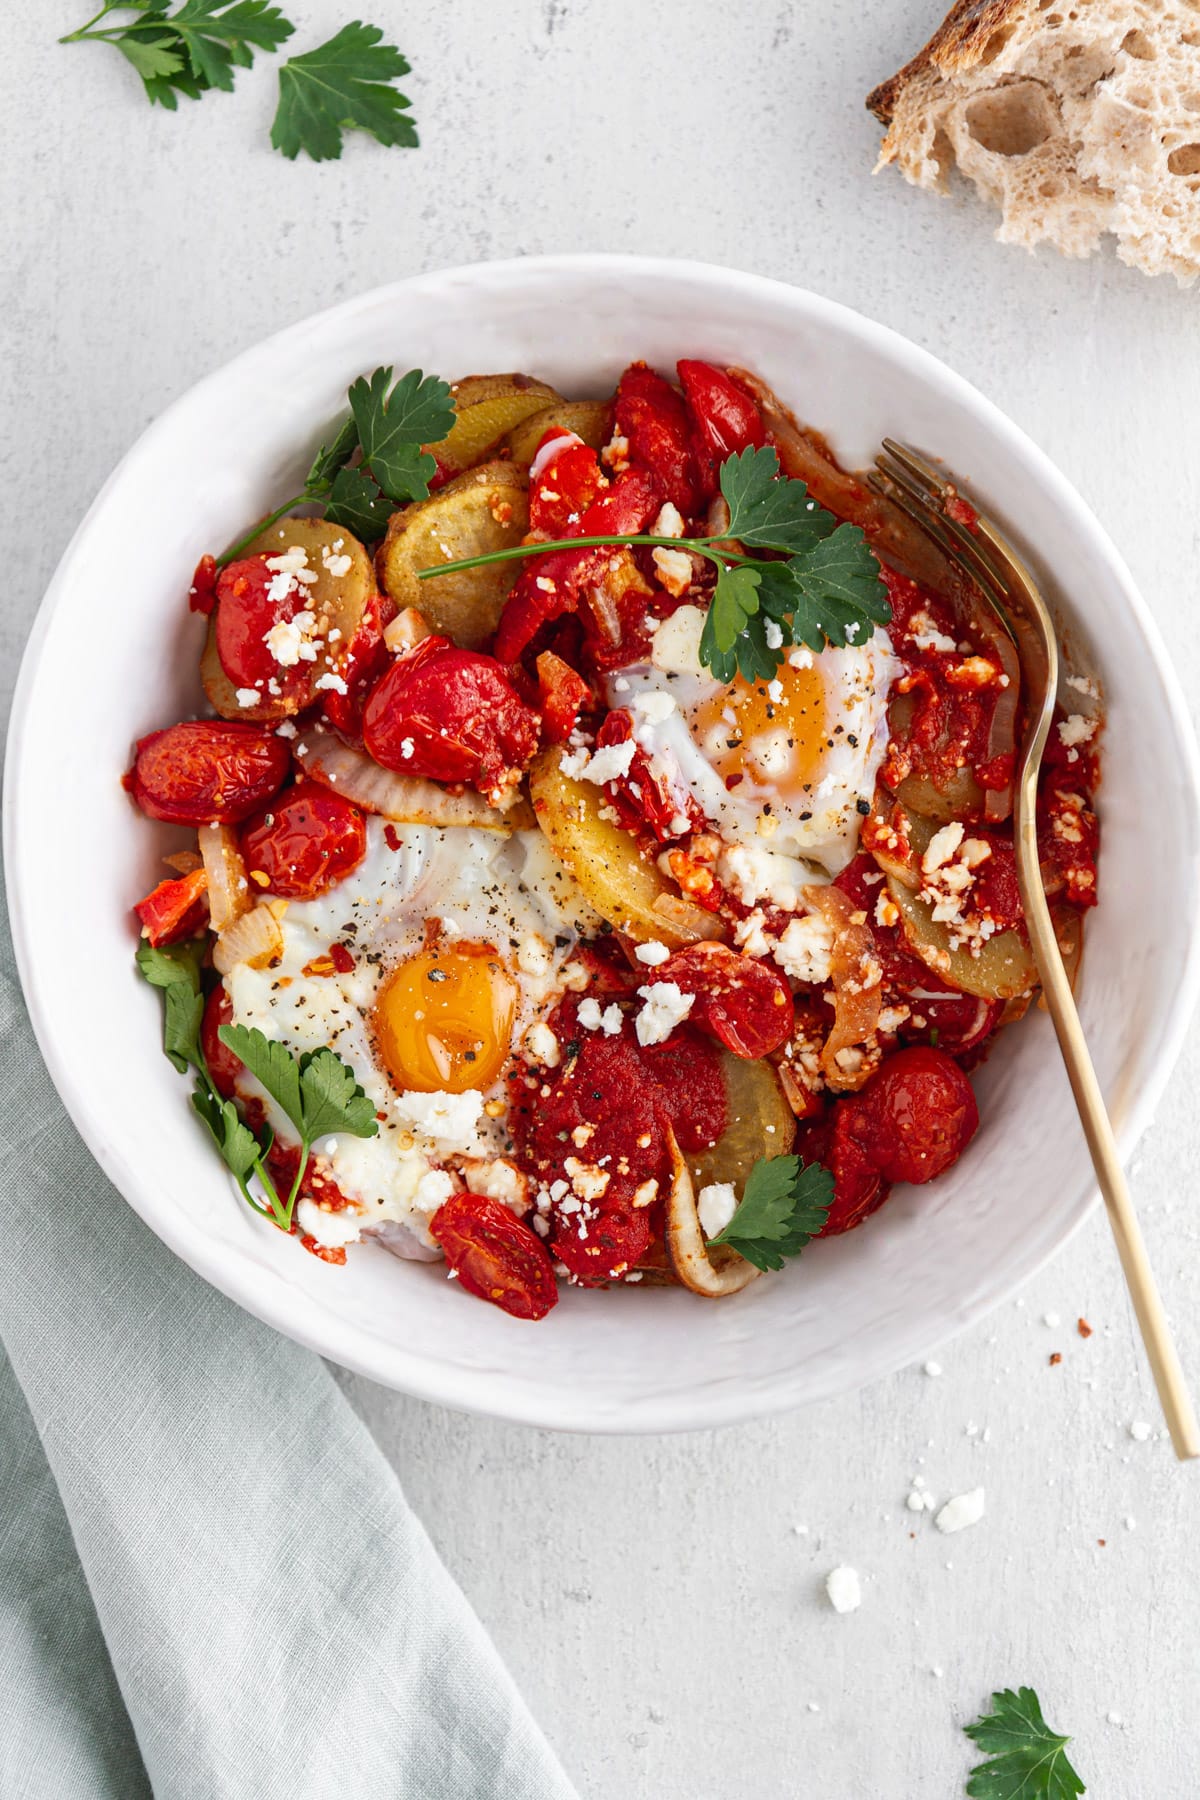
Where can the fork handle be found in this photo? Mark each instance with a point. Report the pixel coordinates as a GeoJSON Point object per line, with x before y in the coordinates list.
{"type": "Point", "coordinates": [1097, 1129]}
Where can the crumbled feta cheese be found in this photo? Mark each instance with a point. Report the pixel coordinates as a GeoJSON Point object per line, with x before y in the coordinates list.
{"type": "Point", "coordinates": [925, 635]}
{"type": "Point", "coordinates": [773, 636]}
{"type": "Point", "coordinates": [716, 1205]}
{"type": "Point", "coordinates": [933, 1369]}
{"type": "Point", "coordinates": [756, 874]}
{"type": "Point", "coordinates": [286, 730]}
{"type": "Point", "coordinates": [433, 1190]}
{"type": "Point", "coordinates": [1076, 730]}
{"type": "Point", "coordinates": [336, 565]}
{"type": "Point", "coordinates": [942, 846]}
{"type": "Point", "coordinates": [965, 1509]}
{"type": "Point", "coordinates": [499, 1180]}
{"type": "Point", "coordinates": [332, 1230]}
{"type": "Point", "coordinates": [652, 953]}
{"type": "Point", "coordinates": [595, 1018]}
{"type": "Point", "coordinates": [676, 646]}
{"type": "Point", "coordinates": [651, 708]}
{"type": "Point", "coordinates": [293, 561]}
{"type": "Point", "coordinates": [800, 658]}
{"type": "Point", "coordinates": [805, 950]}
{"type": "Point", "coordinates": [844, 1589]}
{"type": "Point", "coordinates": [1083, 684]}
{"type": "Point", "coordinates": [248, 696]}
{"type": "Point", "coordinates": [674, 571]}
{"type": "Point", "coordinates": [588, 1180]}
{"type": "Point", "coordinates": [541, 1045]}
{"type": "Point", "coordinates": [669, 522]}
{"type": "Point", "coordinates": [600, 766]}
{"type": "Point", "coordinates": [331, 683]}
{"type": "Point", "coordinates": [666, 1007]}
{"type": "Point", "coordinates": [448, 1120]}
{"type": "Point", "coordinates": [534, 956]}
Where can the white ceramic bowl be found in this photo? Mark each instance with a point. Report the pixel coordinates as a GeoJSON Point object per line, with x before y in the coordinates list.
{"type": "Point", "coordinates": [114, 655]}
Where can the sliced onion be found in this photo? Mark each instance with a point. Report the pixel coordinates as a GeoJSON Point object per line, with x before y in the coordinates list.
{"type": "Point", "coordinates": [687, 920]}
{"type": "Point", "coordinates": [856, 996]}
{"type": "Point", "coordinates": [408, 629]}
{"type": "Point", "coordinates": [228, 888]}
{"type": "Point", "coordinates": [255, 939]}
{"type": "Point", "coordinates": [184, 862]}
{"type": "Point", "coordinates": [402, 1241]}
{"type": "Point", "coordinates": [408, 799]}
{"type": "Point", "coordinates": [685, 1240]}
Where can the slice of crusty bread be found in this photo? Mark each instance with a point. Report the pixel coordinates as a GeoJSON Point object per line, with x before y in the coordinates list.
{"type": "Point", "coordinates": [1076, 117]}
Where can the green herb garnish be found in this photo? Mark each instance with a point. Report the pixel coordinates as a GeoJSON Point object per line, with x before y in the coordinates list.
{"type": "Point", "coordinates": [389, 423]}
{"type": "Point", "coordinates": [342, 86]}
{"type": "Point", "coordinates": [817, 584]}
{"type": "Point", "coordinates": [784, 1205]}
{"type": "Point", "coordinates": [316, 1092]}
{"type": "Point", "coordinates": [1026, 1760]}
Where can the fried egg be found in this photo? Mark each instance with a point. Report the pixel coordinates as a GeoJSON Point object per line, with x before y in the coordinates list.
{"type": "Point", "coordinates": [780, 764]}
{"type": "Point", "coordinates": [450, 945]}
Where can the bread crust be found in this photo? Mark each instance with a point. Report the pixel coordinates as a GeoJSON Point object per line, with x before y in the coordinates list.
{"type": "Point", "coordinates": [957, 44]}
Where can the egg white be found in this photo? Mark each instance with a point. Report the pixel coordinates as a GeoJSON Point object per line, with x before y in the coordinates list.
{"type": "Point", "coordinates": [511, 893]}
{"type": "Point", "coordinates": [817, 821]}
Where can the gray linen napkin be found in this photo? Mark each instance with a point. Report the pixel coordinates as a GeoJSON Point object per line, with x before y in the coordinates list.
{"type": "Point", "coordinates": [211, 1587]}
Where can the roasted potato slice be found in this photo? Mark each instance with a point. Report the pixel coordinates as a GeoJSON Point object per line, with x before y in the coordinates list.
{"type": "Point", "coordinates": [760, 1123]}
{"type": "Point", "coordinates": [484, 510]}
{"type": "Point", "coordinates": [1004, 967]}
{"type": "Point", "coordinates": [487, 408]}
{"type": "Point", "coordinates": [625, 887]}
{"type": "Point", "coordinates": [341, 598]}
{"type": "Point", "coordinates": [588, 419]}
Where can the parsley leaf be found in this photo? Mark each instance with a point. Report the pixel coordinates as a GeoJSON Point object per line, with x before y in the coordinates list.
{"type": "Point", "coordinates": [837, 589]}
{"type": "Point", "coordinates": [340, 86]}
{"type": "Point", "coordinates": [356, 502]}
{"type": "Point", "coordinates": [176, 970]}
{"type": "Point", "coordinates": [331, 457]}
{"type": "Point", "coordinates": [238, 1145]}
{"type": "Point", "coordinates": [734, 604]}
{"type": "Point", "coordinates": [192, 50]}
{"type": "Point", "coordinates": [333, 1100]}
{"type": "Point", "coordinates": [1026, 1760]}
{"type": "Point", "coordinates": [270, 1063]}
{"type": "Point", "coordinates": [393, 425]}
{"type": "Point", "coordinates": [784, 1205]}
{"type": "Point", "coordinates": [767, 513]}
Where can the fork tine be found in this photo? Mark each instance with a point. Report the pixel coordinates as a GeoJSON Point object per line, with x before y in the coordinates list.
{"type": "Point", "coordinates": [951, 538]}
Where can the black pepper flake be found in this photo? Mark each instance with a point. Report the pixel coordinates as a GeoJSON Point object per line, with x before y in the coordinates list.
{"type": "Point", "coordinates": [864, 807]}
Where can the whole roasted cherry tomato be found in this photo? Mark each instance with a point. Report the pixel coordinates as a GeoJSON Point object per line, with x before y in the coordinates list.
{"type": "Point", "coordinates": [207, 771]}
{"type": "Point", "coordinates": [174, 909]}
{"type": "Point", "coordinates": [495, 1256]}
{"type": "Point", "coordinates": [365, 661]}
{"type": "Point", "coordinates": [304, 842]}
{"type": "Point", "coordinates": [551, 585]}
{"type": "Point", "coordinates": [745, 1003]}
{"type": "Point", "coordinates": [652, 416]}
{"type": "Point", "coordinates": [564, 693]}
{"type": "Point", "coordinates": [224, 1067]}
{"type": "Point", "coordinates": [727, 420]}
{"type": "Point", "coordinates": [449, 715]}
{"type": "Point", "coordinates": [915, 1116]}
{"type": "Point", "coordinates": [251, 600]}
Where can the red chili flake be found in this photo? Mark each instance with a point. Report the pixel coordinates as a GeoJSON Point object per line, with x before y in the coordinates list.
{"type": "Point", "coordinates": [341, 958]}
{"type": "Point", "coordinates": [390, 838]}
{"type": "Point", "coordinates": [1102, 1542]}
{"type": "Point", "coordinates": [1055, 1358]}
{"type": "Point", "coordinates": [1085, 1330]}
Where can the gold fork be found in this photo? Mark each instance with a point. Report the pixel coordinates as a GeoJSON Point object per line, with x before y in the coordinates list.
{"type": "Point", "coordinates": [1009, 590]}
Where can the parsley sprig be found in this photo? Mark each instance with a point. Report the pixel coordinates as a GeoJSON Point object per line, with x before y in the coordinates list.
{"type": "Point", "coordinates": [389, 422]}
{"type": "Point", "coordinates": [784, 1205]}
{"type": "Point", "coordinates": [343, 85]}
{"type": "Point", "coordinates": [1025, 1759]}
{"type": "Point", "coordinates": [316, 1092]}
{"type": "Point", "coordinates": [787, 572]}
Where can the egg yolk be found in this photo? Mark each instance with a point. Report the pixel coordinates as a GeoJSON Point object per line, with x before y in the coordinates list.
{"type": "Point", "coordinates": [444, 1019]}
{"type": "Point", "coordinates": [748, 735]}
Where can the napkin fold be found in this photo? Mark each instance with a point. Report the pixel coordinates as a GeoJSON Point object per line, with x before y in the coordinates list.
{"type": "Point", "coordinates": [211, 1587]}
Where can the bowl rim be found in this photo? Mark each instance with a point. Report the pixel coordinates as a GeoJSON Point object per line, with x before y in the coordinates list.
{"type": "Point", "coordinates": [489, 1391]}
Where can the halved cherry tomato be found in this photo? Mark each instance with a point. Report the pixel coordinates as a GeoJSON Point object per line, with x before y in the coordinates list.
{"type": "Point", "coordinates": [551, 585]}
{"type": "Point", "coordinates": [495, 1256]}
{"type": "Point", "coordinates": [655, 420]}
{"type": "Point", "coordinates": [224, 1067]}
{"type": "Point", "coordinates": [569, 478]}
{"type": "Point", "coordinates": [174, 909]}
{"type": "Point", "coordinates": [207, 771]}
{"type": "Point", "coordinates": [202, 595]}
{"type": "Point", "coordinates": [745, 1003]}
{"type": "Point", "coordinates": [727, 420]}
{"type": "Point", "coordinates": [563, 696]}
{"type": "Point", "coordinates": [603, 1248]}
{"type": "Point", "coordinates": [304, 842]}
{"type": "Point", "coordinates": [251, 600]}
{"type": "Point", "coordinates": [449, 715]}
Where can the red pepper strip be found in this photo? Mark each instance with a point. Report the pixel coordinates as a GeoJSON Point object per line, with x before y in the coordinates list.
{"type": "Point", "coordinates": [174, 909]}
{"type": "Point", "coordinates": [652, 416]}
{"type": "Point", "coordinates": [727, 420]}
